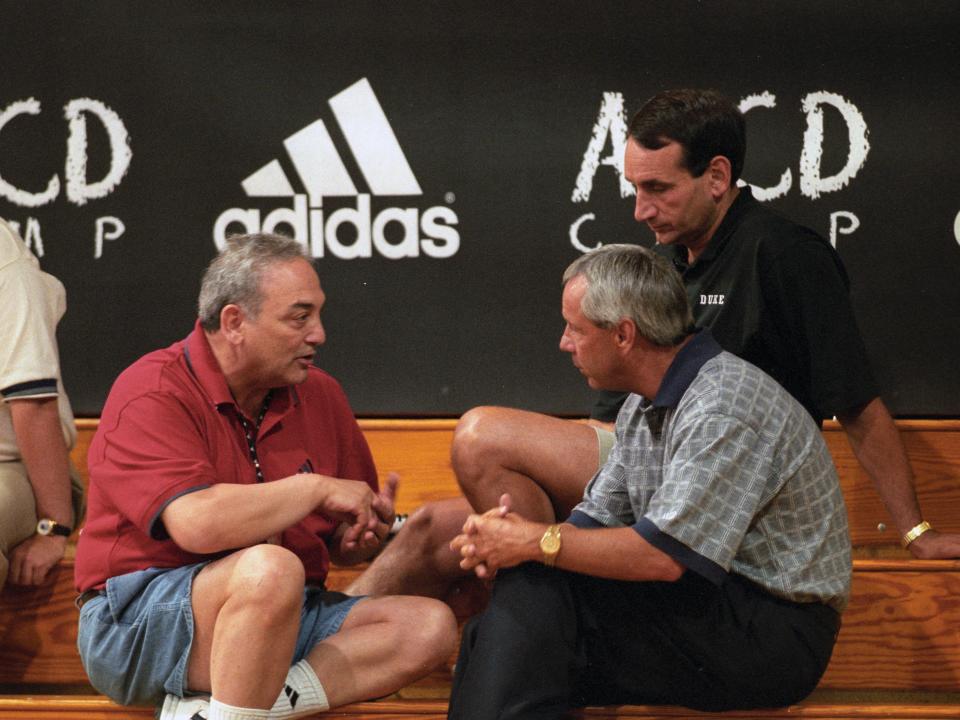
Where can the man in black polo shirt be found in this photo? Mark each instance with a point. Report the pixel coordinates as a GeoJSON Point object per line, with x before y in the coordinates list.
{"type": "Point", "coordinates": [771, 291]}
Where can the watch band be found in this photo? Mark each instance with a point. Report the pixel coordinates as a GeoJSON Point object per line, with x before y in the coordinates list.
{"type": "Point", "coordinates": [46, 526]}
{"type": "Point", "coordinates": [550, 545]}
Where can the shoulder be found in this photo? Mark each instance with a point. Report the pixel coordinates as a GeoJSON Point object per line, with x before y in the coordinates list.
{"type": "Point", "coordinates": [323, 382]}
{"type": "Point", "coordinates": [322, 392]}
{"type": "Point", "coordinates": [156, 372]}
{"type": "Point", "coordinates": [782, 247]}
{"type": "Point", "coordinates": [775, 235]}
{"type": "Point", "coordinates": [730, 386]}
{"type": "Point", "coordinates": [766, 229]}
{"type": "Point", "coordinates": [11, 248]}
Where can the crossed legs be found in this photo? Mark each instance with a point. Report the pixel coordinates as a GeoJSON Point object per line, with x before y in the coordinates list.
{"type": "Point", "coordinates": [543, 462]}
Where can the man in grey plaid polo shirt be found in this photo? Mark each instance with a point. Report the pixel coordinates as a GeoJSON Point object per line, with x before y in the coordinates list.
{"type": "Point", "coordinates": [709, 559]}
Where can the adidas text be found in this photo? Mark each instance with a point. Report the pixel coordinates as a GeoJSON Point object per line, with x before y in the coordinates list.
{"type": "Point", "coordinates": [394, 232]}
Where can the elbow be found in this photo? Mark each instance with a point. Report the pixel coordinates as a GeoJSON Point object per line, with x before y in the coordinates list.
{"type": "Point", "coordinates": [189, 532]}
{"type": "Point", "coordinates": [194, 542]}
{"type": "Point", "coordinates": [673, 571]}
{"type": "Point", "coordinates": [666, 569]}
{"type": "Point", "coordinates": [191, 538]}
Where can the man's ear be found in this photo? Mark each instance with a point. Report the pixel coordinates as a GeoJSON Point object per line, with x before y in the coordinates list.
{"type": "Point", "coordinates": [719, 176]}
{"type": "Point", "coordinates": [232, 319]}
{"type": "Point", "coordinates": [626, 334]}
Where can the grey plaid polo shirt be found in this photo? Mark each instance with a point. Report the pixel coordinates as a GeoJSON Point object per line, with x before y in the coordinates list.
{"type": "Point", "coordinates": [725, 472]}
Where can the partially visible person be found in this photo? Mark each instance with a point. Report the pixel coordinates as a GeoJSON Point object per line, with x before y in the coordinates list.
{"type": "Point", "coordinates": [709, 560]}
{"type": "Point", "coordinates": [771, 291]}
{"type": "Point", "coordinates": [40, 492]}
{"type": "Point", "coordinates": [226, 474]}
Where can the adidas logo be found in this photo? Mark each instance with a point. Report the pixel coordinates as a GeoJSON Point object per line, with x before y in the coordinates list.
{"type": "Point", "coordinates": [347, 232]}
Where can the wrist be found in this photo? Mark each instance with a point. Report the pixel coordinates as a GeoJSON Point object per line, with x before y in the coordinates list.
{"type": "Point", "coordinates": [915, 532]}
{"type": "Point", "coordinates": [320, 490]}
{"type": "Point", "coordinates": [550, 544]}
{"type": "Point", "coordinates": [49, 527]}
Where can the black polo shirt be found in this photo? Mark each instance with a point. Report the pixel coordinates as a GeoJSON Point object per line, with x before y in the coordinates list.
{"type": "Point", "coordinates": [776, 294]}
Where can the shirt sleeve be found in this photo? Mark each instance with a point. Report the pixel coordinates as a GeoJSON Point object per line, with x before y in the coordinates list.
{"type": "Point", "coordinates": [29, 365]}
{"type": "Point", "coordinates": [153, 455]}
{"type": "Point", "coordinates": [806, 288]}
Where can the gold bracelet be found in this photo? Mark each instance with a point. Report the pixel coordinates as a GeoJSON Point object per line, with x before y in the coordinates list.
{"type": "Point", "coordinates": [915, 532]}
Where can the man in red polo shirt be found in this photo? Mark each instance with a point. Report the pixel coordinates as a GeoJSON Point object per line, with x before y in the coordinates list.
{"type": "Point", "coordinates": [226, 473]}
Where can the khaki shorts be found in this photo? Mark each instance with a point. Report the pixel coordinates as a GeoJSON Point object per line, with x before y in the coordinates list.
{"type": "Point", "coordinates": [605, 440]}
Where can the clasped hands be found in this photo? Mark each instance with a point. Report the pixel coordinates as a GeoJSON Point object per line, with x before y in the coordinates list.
{"type": "Point", "coordinates": [366, 516]}
{"type": "Point", "coordinates": [498, 538]}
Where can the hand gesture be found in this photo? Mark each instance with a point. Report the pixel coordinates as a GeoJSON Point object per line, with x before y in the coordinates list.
{"type": "Point", "coordinates": [369, 538]}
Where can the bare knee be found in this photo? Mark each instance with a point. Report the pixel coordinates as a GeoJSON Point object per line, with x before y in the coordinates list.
{"type": "Point", "coordinates": [480, 445]}
{"type": "Point", "coordinates": [268, 580]}
{"type": "Point", "coordinates": [434, 524]}
{"type": "Point", "coordinates": [429, 631]}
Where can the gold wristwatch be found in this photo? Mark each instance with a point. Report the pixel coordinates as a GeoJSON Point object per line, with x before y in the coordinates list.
{"type": "Point", "coordinates": [550, 545]}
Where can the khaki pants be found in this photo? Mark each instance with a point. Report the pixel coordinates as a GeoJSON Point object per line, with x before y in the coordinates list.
{"type": "Point", "coordinates": [18, 509]}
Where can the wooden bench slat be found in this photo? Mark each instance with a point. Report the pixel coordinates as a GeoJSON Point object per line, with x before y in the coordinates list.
{"type": "Point", "coordinates": [901, 631]}
{"type": "Point", "coordinates": [419, 450]}
{"type": "Point", "coordinates": [934, 452]}
{"type": "Point", "coordinates": [54, 707]}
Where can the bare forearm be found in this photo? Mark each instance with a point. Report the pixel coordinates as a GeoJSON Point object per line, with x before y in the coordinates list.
{"type": "Point", "coordinates": [227, 516]}
{"type": "Point", "coordinates": [878, 447]}
{"type": "Point", "coordinates": [614, 553]}
{"type": "Point", "coordinates": [44, 453]}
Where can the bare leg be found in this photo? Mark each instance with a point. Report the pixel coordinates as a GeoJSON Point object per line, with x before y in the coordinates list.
{"type": "Point", "coordinates": [247, 614]}
{"type": "Point", "coordinates": [543, 462]}
{"type": "Point", "coordinates": [419, 561]}
{"type": "Point", "coordinates": [246, 610]}
{"type": "Point", "coordinates": [383, 645]}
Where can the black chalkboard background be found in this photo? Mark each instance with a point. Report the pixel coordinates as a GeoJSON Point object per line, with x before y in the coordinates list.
{"type": "Point", "coordinates": [493, 106]}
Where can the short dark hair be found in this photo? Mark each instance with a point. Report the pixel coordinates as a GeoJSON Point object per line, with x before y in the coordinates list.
{"type": "Point", "coordinates": [704, 123]}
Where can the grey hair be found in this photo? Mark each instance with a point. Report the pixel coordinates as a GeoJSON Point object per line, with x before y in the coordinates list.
{"type": "Point", "coordinates": [233, 277]}
{"type": "Point", "coordinates": [629, 281]}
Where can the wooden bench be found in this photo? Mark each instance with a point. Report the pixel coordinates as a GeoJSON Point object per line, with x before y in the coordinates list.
{"type": "Point", "coordinates": [898, 654]}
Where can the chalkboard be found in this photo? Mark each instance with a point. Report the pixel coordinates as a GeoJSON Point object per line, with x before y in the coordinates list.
{"type": "Point", "coordinates": [448, 159]}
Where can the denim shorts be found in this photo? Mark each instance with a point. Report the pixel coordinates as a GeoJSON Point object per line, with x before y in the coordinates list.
{"type": "Point", "coordinates": [134, 640]}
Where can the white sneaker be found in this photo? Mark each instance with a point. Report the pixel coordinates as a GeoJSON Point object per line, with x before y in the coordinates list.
{"type": "Point", "coordinates": [191, 708]}
{"type": "Point", "coordinates": [398, 522]}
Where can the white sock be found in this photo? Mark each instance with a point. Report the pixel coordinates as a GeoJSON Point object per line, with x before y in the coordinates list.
{"type": "Point", "coordinates": [302, 694]}
{"type": "Point", "coordinates": [222, 711]}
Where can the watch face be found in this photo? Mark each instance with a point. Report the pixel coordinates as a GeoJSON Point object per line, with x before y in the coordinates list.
{"type": "Point", "coordinates": [550, 544]}
{"type": "Point", "coordinates": [46, 526]}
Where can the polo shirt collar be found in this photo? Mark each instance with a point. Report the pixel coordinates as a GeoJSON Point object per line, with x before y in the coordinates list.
{"type": "Point", "coordinates": [685, 367]}
{"type": "Point", "coordinates": [731, 220]}
{"type": "Point", "coordinates": [205, 368]}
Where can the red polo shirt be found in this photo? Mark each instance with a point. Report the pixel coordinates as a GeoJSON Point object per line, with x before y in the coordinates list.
{"type": "Point", "coordinates": [170, 426]}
